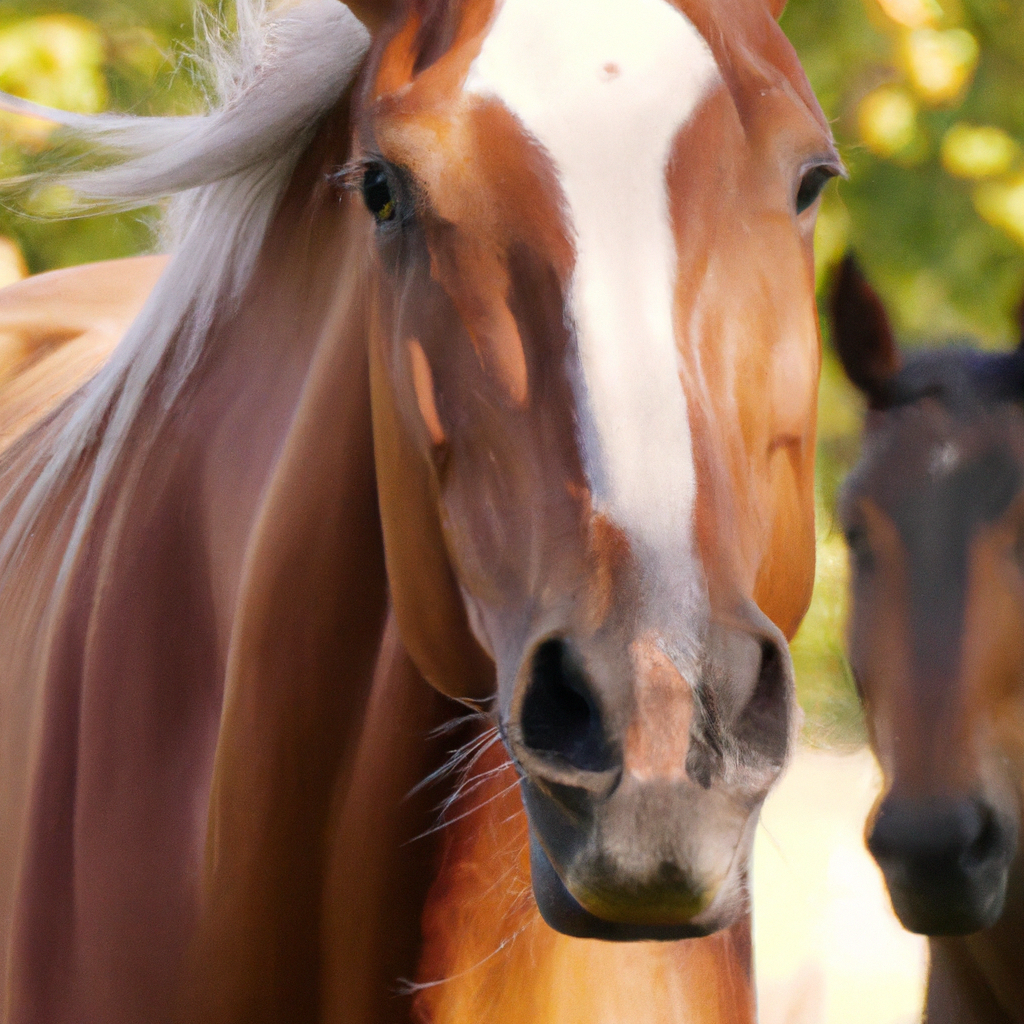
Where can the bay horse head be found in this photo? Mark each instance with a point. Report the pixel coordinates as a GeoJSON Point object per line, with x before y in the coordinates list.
{"type": "Point", "coordinates": [934, 519]}
{"type": "Point", "coordinates": [594, 359]}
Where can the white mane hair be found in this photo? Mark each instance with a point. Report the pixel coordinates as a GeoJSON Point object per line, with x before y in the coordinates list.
{"type": "Point", "coordinates": [225, 172]}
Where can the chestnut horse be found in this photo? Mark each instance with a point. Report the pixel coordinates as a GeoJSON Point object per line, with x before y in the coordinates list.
{"type": "Point", "coordinates": [934, 518]}
{"type": "Point", "coordinates": [486, 356]}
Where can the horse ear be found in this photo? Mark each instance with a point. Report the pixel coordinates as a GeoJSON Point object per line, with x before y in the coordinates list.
{"type": "Point", "coordinates": [861, 333]}
{"type": "Point", "coordinates": [372, 13]}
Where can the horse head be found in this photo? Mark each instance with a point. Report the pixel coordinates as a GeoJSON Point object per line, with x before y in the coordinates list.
{"type": "Point", "coordinates": [934, 519]}
{"type": "Point", "coordinates": [594, 359]}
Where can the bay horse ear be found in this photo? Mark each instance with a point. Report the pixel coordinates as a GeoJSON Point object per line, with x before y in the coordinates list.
{"type": "Point", "coordinates": [861, 333]}
{"type": "Point", "coordinates": [372, 13]}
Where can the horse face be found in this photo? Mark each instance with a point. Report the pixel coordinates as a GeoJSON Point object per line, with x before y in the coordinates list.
{"type": "Point", "coordinates": [594, 390]}
{"type": "Point", "coordinates": [934, 518]}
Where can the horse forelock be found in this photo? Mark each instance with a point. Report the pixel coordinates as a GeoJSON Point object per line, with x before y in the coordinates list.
{"type": "Point", "coordinates": [964, 379]}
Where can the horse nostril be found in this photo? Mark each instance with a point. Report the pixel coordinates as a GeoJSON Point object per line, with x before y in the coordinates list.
{"type": "Point", "coordinates": [764, 723]}
{"type": "Point", "coordinates": [559, 714]}
{"type": "Point", "coordinates": [935, 830]}
{"type": "Point", "coordinates": [987, 843]}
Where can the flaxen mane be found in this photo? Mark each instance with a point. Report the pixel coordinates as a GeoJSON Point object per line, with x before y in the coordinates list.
{"type": "Point", "coordinates": [224, 172]}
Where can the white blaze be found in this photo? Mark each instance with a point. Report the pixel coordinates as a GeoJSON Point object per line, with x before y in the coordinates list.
{"type": "Point", "coordinates": [605, 86]}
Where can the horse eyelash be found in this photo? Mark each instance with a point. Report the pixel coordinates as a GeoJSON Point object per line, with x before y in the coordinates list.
{"type": "Point", "coordinates": [349, 177]}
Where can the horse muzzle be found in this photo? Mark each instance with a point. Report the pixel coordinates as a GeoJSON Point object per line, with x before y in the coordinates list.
{"type": "Point", "coordinates": [946, 861]}
{"type": "Point", "coordinates": [638, 866]}
{"type": "Point", "coordinates": [642, 799]}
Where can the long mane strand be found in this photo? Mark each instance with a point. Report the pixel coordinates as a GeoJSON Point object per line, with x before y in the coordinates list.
{"type": "Point", "coordinates": [224, 172]}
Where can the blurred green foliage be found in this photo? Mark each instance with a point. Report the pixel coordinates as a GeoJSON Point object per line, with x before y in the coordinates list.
{"type": "Point", "coordinates": [946, 261]}
{"type": "Point", "coordinates": [87, 56]}
{"type": "Point", "coordinates": [927, 102]}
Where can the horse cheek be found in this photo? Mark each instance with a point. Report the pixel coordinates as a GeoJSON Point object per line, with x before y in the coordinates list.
{"type": "Point", "coordinates": [993, 650]}
{"type": "Point", "coordinates": [429, 609]}
{"type": "Point", "coordinates": [785, 577]}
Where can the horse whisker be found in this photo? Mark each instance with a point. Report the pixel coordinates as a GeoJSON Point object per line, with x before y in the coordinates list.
{"type": "Point", "coordinates": [471, 751]}
{"type": "Point", "coordinates": [408, 988]}
{"type": "Point", "coordinates": [465, 814]}
{"type": "Point", "coordinates": [471, 785]}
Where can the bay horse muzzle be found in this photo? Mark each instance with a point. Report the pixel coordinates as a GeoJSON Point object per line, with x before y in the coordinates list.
{"type": "Point", "coordinates": [946, 861]}
{"type": "Point", "coordinates": [642, 798]}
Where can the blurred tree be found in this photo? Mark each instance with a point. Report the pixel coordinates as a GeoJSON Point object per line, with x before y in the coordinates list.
{"type": "Point", "coordinates": [87, 56]}
{"type": "Point", "coordinates": [927, 102]}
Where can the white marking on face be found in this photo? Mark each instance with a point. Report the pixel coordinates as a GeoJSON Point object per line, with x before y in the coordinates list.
{"type": "Point", "coordinates": [605, 87]}
{"type": "Point", "coordinates": [944, 458]}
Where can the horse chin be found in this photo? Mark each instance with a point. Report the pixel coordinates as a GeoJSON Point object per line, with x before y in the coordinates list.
{"type": "Point", "coordinates": [687, 916]}
{"type": "Point", "coordinates": [948, 903]}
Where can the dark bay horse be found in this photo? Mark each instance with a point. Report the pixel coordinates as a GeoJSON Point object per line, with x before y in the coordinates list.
{"type": "Point", "coordinates": [486, 356]}
{"type": "Point", "coordinates": [934, 518]}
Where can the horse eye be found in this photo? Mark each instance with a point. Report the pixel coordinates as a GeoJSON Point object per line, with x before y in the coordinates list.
{"type": "Point", "coordinates": [860, 549]}
{"type": "Point", "coordinates": [377, 194]}
{"type": "Point", "coordinates": [811, 185]}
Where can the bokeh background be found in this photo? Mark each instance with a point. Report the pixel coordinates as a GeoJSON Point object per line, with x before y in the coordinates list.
{"type": "Point", "coordinates": [927, 102]}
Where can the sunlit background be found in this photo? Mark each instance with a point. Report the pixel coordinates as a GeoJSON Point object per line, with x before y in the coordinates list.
{"type": "Point", "coordinates": [926, 98]}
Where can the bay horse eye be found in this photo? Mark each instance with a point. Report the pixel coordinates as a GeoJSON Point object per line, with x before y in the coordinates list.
{"type": "Point", "coordinates": [377, 194]}
{"type": "Point", "coordinates": [811, 185]}
{"type": "Point", "coordinates": [860, 549]}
